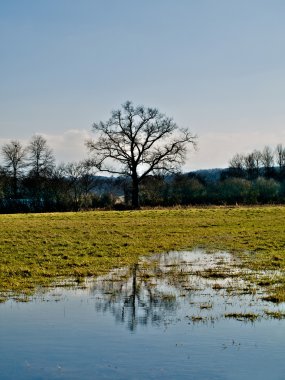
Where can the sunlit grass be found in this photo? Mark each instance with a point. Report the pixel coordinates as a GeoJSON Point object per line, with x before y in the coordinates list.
{"type": "Point", "coordinates": [37, 249]}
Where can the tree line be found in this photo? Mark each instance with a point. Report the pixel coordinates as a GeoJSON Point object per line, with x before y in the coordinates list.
{"type": "Point", "coordinates": [269, 163]}
{"type": "Point", "coordinates": [145, 149]}
{"type": "Point", "coordinates": [30, 181]}
{"type": "Point", "coordinates": [254, 178]}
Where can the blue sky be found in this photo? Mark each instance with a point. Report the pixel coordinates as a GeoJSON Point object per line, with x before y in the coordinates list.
{"type": "Point", "coordinates": [215, 66]}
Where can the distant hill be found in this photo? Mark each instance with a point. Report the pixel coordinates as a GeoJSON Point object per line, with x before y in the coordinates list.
{"type": "Point", "coordinates": [207, 175]}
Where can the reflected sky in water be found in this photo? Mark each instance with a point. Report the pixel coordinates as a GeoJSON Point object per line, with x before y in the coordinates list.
{"type": "Point", "coordinates": [164, 318]}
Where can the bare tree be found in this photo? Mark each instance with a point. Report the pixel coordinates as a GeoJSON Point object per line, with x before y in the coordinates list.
{"type": "Point", "coordinates": [257, 155]}
{"type": "Point", "coordinates": [249, 163]}
{"type": "Point", "coordinates": [41, 163]}
{"type": "Point", "coordinates": [138, 141]}
{"type": "Point", "coordinates": [80, 180]}
{"type": "Point", "coordinates": [252, 163]}
{"type": "Point", "coordinates": [237, 165]}
{"type": "Point", "coordinates": [267, 159]}
{"type": "Point", "coordinates": [280, 156]}
{"type": "Point", "coordinates": [237, 162]}
{"type": "Point", "coordinates": [40, 157]}
{"type": "Point", "coordinates": [14, 155]}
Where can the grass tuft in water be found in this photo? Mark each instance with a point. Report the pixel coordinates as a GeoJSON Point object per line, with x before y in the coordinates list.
{"type": "Point", "coordinates": [243, 316]}
{"type": "Point", "coordinates": [275, 314]}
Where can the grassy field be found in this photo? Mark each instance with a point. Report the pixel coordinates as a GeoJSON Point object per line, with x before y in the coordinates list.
{"type": "Point", "coordinates": [37, 249]}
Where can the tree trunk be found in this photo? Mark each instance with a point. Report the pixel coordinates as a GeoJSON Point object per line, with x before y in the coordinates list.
{"type": "Point", "coordinates": [15, 184]}
{"type": "Point", "coordinates": [135, 193]}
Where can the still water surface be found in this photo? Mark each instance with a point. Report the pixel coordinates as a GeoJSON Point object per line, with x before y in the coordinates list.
{"type": "Point", "coordinates": [160, 319]}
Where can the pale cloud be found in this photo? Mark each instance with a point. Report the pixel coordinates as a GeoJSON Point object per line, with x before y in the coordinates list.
{"type": "Point", "coordinates": [216, 149]}
{"type": "Point", "coordinates": [69, 146]}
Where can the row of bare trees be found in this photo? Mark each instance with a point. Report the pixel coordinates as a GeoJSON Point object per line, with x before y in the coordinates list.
{"type": "Point", "coordinates": [257, 162]}
{"type": "Point", "coordinates": [30, 180]}
{"type": "Point", "coordinates": [37, 159]}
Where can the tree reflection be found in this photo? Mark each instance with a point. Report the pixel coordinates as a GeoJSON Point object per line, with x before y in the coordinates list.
{"type": "Point", "coordinates": [136, 296]}
{"type": "Point", "coordinates": [165, 288]}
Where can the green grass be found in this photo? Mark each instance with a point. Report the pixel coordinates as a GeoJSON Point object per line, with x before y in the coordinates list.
{"type": "Point", "coordinates": [37, 249]}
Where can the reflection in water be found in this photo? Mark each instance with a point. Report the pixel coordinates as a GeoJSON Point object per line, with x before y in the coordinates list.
{"type": "Point", "coordinates": [132, 298]}
{"type": "Point", "coordinates": [205, 287]}
{"type": "Point", "coordinates": [185, 315]}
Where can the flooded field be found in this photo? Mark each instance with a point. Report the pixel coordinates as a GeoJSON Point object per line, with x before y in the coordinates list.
{"type": "Point", "coordinates": [179, 315]}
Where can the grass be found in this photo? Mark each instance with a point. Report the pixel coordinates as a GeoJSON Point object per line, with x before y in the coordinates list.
{"type": "Point", "coordinates": [274, 314]}
{"type": "Point", "coordinates": [38, 249]}
{"type": "Point", "coordinates": [243, 316]}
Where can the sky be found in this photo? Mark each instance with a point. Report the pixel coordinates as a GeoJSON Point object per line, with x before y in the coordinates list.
{"type": "Point", "coordinates": [216, 66]}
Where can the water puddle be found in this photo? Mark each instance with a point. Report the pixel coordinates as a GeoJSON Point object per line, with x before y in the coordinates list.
{"type": "Point", "coordinates": [179, 315]}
